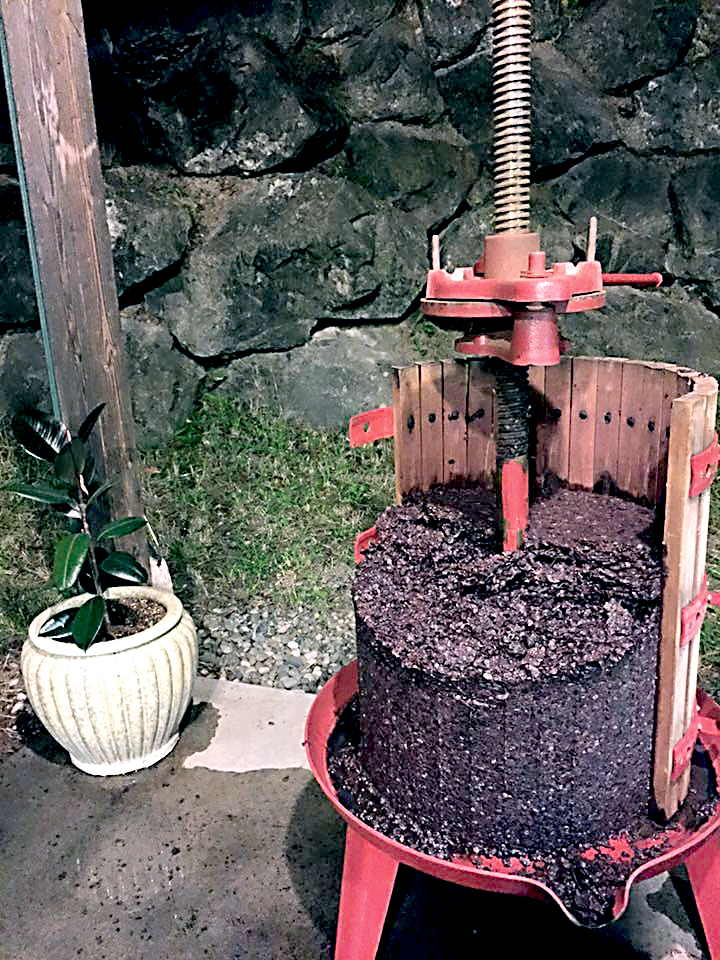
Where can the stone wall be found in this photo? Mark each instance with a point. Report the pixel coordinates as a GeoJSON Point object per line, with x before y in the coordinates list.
{"type": "Point", "coordinates": [274, 169]}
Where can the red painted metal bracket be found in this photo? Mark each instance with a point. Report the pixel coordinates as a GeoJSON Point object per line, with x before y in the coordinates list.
{"type": "Point", "coordinates": [693, 614]}
{"type": "Point", "coordinates": [683, 749]}
{"type": "Point", "coordinates": [703, 468]}
{"type": "Point", "coordinates": [371, 425]}
{"type": "Point", "coordinates": [363, 541]}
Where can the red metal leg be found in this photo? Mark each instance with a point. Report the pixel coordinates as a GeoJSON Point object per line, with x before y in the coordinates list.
{"type": "Point", "coordinates": [703, 867]}
{"type": "Point", "coordinates": [367, 884]}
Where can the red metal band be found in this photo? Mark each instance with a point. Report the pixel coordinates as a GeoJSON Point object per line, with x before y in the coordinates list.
{"type": "Point", "coordinates": [371, 425]}
{"type": "Point", "coordinates": [703, 467]}
{"type": "Point", "coordinates": [682, 752]}
{"type": "Point", "coordinates": [693, 614]}
{"type": "Point", "coordinates": [363, 541]}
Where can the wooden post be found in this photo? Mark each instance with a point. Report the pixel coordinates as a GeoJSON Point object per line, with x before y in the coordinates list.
{"type": "Point", "coordinates": [48, 84]}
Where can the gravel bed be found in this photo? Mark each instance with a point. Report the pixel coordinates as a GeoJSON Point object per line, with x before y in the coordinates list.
{"type": "Point", "coordinates": [297, 649]}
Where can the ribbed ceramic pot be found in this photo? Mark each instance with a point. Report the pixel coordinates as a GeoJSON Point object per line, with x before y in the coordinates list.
{"type": "Point", "coordinates": [118, 706]}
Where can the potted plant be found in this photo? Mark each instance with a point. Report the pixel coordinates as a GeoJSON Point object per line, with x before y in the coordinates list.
{"type": "Point", "coordinates": [109, 671]}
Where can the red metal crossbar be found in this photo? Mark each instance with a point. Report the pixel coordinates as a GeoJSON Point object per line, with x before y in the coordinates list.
{"type": "Point", "coordinates": [632, 279]}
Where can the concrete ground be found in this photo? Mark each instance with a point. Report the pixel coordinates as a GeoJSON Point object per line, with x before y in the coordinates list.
{"type": "Point", "coordinates": [228, 850]}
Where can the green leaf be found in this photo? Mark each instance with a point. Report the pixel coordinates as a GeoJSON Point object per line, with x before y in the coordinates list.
{"type": "Point", "coordinates": [89, 422]}
{"type": "Point", "coordinates": [123, 566]}
{"type": "Point", "coordinates": [70, 553]}
{"type": "Point", "coordinates": [59, 626]}
{"type": "Point", "coordinates": [97, 493]}
{"type": "Point", "coordinates": [71, 460]}
{"type": "Point", "coordinates": [87, 622]}
{"type": "Point", "coordinates": [42, 491]}
{"type": "Point", "coordinates": [121, 528]}
{"type": "Point", "coordinates": [39, 435]}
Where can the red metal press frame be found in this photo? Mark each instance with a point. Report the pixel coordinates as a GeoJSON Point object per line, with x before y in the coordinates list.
{"type": "Point", "coordinates": [372, 859]}
{"type": "Point", "coordinates": [511, 281]}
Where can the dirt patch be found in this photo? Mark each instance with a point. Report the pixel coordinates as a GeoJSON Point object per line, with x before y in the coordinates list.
{"type": "Point", "coordinates": [13, 702]}
{"type": "Point", "coordinates": [437, 594]}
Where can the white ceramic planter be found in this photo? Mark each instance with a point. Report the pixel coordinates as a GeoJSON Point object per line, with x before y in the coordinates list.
{"type": "Point", "coordinates": [118, 706]}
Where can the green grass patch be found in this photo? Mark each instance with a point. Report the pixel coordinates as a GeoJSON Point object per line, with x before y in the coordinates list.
{"type": "Point", "coordinates": [248, 505]}
{"type": "Point", "coordinates": [27, 537]}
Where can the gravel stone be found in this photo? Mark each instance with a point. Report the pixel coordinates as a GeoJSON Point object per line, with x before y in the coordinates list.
{"type": "Point", "coordinates": [295, 648]}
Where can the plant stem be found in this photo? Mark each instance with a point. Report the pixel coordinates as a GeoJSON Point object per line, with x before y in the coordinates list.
{"type": "Point", "coordinates": [94, 571]}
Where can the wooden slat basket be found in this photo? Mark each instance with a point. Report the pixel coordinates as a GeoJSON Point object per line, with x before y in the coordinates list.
{"type": "Point", "coordinates": [609, 424]}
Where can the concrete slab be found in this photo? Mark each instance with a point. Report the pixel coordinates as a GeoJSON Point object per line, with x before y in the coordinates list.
{"type": "Point", "coordinates": [185, 861]}
{"type": "Point", "coordinates": [169, 862]}
{"type": "Point", "coordinates": [259, 728]}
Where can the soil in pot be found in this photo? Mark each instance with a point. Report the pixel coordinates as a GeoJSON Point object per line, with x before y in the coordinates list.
{"type": "Point", "coordinates": [128, 616]}
{"type": "Point", "coordinates": [506, 700]}
{"type": "Point", "coordinates": [132, 615]}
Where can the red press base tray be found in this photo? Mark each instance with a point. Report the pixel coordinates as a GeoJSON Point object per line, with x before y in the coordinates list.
{"type": "Point", "coordinates": [371, 858]}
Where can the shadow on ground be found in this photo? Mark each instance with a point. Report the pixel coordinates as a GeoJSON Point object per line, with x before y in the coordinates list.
{"type": "Point", "coordinates": [430, 919]}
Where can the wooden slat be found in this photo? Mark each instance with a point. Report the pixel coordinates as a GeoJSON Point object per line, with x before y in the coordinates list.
{"type": "Point", "coordinates": [431, 423]}
{"type": "Point", "coordinates": [455, 396]}
{"type": "Point", "coordinates": [607, 421]}
{"type": "Point", "coordinates": [632, 400]}
{"type": "Point", "coordinates": [555, 433]}
{"type": "Point", "coordinates": [408, 445]}
{"type": "Point", "coordinates": [581, 466]}
{"type": "Point", "coordinates": [481, 426]}
{"type": "Point", "coordinates": [704, 431]}
{"type": "Point", "coordinates": [648, 466]}
{"type": "Point", "coordinates": [640, 406]}
{"type": "Point", "coordinates": [673, 658]}
{"type": "Point", "coordinates": [686, 593]}
{"type": "Point", "coordinates": [674, 385]}
{"type": "Point", "coordinates": [685, 537]}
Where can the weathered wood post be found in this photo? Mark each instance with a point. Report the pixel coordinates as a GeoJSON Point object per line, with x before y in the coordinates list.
{"type": "Point", "coordinates": [47, 79]}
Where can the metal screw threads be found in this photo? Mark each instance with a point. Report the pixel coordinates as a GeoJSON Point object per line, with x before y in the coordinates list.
{"type": "Point", "coordinates": [512, 114]}
{"type": "Point", "coordinates": [512, 404]}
